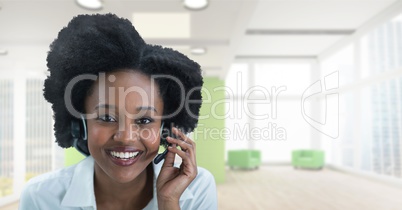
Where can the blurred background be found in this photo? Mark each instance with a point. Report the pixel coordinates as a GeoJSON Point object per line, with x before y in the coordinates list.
{"type": "Point", "coordinates": [303, 98]}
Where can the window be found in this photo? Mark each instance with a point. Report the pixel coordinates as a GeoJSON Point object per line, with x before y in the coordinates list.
{"type": "Point", "coordinates": [284, 128]}
{"type": "Point", "coordinates": [27, 146]}
{"type": "Point", "coordinates": [268, 108]}
{"type": "Point", "coordinates": [6, 137]}
{"type": "Point", "coordinates": [370, 74]}
{"type": "Point", "coordinates": [40, 157]}
{"type": "Point", "coordinates": [237, 122]}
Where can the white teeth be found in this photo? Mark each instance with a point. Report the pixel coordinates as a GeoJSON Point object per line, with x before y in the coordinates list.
{"type": "Point", "coordinates": [124, 155]}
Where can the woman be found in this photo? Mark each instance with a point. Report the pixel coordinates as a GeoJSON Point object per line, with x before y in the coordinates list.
{"type": "Point", "coordinates": [116, 99]}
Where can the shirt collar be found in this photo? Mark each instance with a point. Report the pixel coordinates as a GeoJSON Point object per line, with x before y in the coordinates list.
{"type": "Point", "coordinates": [80, 193]}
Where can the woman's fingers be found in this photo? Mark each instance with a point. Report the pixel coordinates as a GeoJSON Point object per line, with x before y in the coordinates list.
{"type": "Point", "coordinates": [188, 167]}
{"type": "Point", "coordinates": [186, 152]}
{"type": "Point", "coordinates": [173, 181]}
{"type": "Point", "coordinates": [185, 146]}
{"type": "Point", "coordinates": [179, 152]}
{"type": "Point", "coordinates": [182, 136]}
{"type": "Point", "coordinates": [182, 139]}
{"type": "Point", "coordinates": [169, 159]}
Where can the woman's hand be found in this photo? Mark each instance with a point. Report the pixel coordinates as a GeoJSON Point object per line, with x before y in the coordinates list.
{"type": "Point", "coordinates": [172, 181]}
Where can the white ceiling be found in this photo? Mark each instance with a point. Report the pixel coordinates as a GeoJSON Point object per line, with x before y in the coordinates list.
{"type": "Point", "coordinates": [221, 28]}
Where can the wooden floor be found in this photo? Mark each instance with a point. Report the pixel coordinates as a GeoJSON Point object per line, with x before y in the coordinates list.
{"type": "Point", "coordinates": [284, 188]}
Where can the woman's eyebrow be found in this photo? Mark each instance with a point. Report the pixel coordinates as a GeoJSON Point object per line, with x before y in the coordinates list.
{"type": "Point", "coordinates": [147, 108]}
{"type": "Point", "coordinates": [106, 106]}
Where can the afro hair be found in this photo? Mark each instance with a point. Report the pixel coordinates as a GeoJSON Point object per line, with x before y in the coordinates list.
{"type": "Point", "coordinates": [93, 44]}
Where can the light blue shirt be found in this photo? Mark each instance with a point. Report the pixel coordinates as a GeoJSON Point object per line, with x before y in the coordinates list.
{"type": "Point", "coordinates": [72, 188]}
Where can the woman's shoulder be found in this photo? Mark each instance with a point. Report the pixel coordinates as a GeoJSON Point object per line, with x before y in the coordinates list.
{"type": "Point", "coordinates": [46, 189]}
{"type": "Point", "coordinates": [60, 189]}
{"type": "Point", "coordinates": [203, 188]}
{"type": "Point", "coordinates": [204, 180]}
{"type": "Point", "coordinates": [61, 179]}
{"type": "Point", "coordinates": [204, 175]}
{"type": "Point", "coordinates": [48, 180]}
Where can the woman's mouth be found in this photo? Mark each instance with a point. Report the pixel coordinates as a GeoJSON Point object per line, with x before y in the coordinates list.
{"type": "Point", "coordinates": [124, 155]}
{"type": "Point", "coordinates": [124, 158]}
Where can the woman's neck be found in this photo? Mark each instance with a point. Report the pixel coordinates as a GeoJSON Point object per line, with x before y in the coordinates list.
{"type": "Point", "coordinates": [133, 195]}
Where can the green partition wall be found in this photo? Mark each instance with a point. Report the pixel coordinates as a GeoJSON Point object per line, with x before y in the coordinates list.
{"type": "Point", "coordinates": [209, 142]}
{"type": "Point", "coordinates": [72, 156]}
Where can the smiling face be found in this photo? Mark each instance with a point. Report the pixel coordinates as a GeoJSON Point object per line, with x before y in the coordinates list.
{"type": "Point", "coordinates": [123, 138]}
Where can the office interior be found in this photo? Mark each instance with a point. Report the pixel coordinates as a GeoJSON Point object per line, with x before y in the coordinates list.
{"type": "Point", "coordinates": [302, 98]}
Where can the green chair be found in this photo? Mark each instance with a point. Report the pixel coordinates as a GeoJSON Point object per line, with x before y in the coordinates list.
{"type": "Point", "coordinates": [245, 159]}
{"type": "Point", "coordinates": [311, 159]}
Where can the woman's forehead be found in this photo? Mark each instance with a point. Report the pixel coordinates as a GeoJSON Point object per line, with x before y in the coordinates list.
{"type": "Point", "coordinates": [128, 88]}
{"type": "Point", "coordinates": [126, 80]}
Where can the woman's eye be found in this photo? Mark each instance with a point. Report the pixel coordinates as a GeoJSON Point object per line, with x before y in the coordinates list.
{"type": "Point", "coordinates": [143, 121]}
{"type": "Point", "coordinates": [107, 118]}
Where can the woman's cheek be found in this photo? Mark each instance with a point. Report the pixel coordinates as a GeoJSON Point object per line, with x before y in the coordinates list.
{"type": "Point", "coordinates": [150, 138]}
{"type": "Point", "coordinates": [97, 136]}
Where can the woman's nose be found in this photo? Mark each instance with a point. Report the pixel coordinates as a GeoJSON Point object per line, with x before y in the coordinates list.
{"type": "Point", "coordinates": [129, 133]}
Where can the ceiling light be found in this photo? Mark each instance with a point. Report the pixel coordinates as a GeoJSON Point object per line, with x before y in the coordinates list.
{"type": "Point", "coordinates": [198, 51]}
{"type": "Point", "coordinates": [90, 4]}
{"type": "Point", "coordinates": [3, 52]}
{"type": "Point", "coordinates": [195, 4]}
